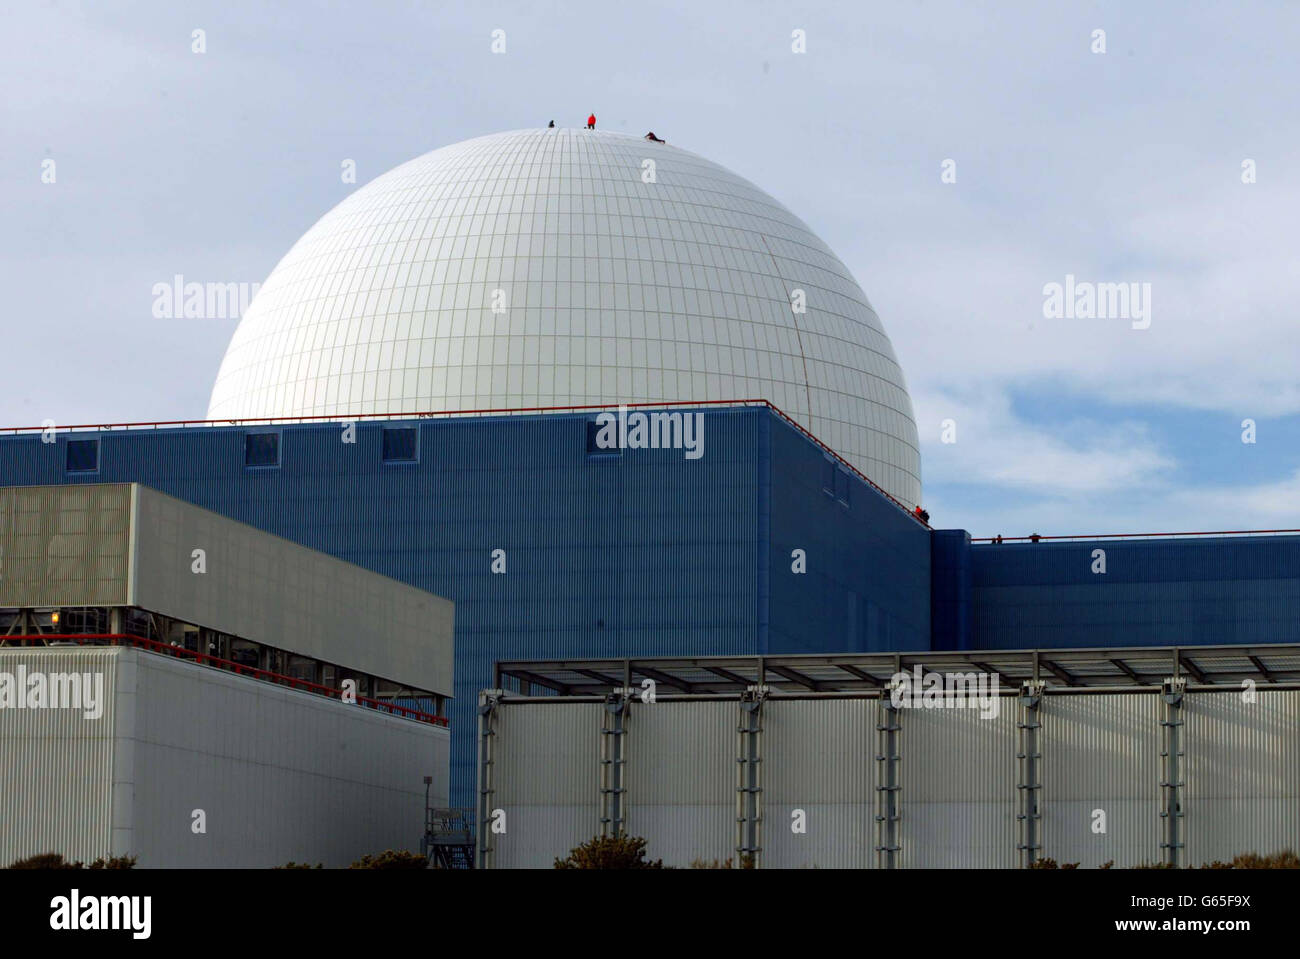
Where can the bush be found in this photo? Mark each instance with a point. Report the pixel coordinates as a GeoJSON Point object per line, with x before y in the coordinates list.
{"type": "Point", "coordinates": [304, 865]}
{"type": "Point", "coordinates": [54, 860]}
{"type": "Point", "coordinates": [1286, 859]}
{"type": "Point", "coordinates": [1052, 864]}
{"type": "Point", "coordinates": [609, 852]}
{"type": "Point", "coordinates": [392, 859]}
{"type": "Point", "coordinates": [44, 860]}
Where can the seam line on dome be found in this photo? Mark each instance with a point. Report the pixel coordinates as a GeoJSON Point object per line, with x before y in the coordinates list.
{"type": "Point", "coordinates": [798, 335]}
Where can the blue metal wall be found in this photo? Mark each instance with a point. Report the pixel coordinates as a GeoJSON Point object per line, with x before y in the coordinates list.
{"type": "Point", "coordinates": [950, 589]}
{"type": "Point", "coordinates": [867, 584]}
{"type": "Point", "coordinates": [644, 553]}
{"type": "Point", "coordinates": [1153, 593]}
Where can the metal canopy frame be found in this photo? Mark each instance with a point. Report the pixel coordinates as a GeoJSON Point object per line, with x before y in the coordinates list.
{"type": "Point", "coordinates": [868, 674]}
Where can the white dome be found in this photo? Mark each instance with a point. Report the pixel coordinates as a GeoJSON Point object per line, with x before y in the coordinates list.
{"type": "Point", "coordinates": [614, 290]}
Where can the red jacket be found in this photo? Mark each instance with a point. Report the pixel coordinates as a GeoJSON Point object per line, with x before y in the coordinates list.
{"type": "Point", "coordinates": [591, 120]}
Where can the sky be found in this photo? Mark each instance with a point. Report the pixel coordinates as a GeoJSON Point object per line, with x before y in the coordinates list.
{"type": "Point", "coordinates": [958, 157]}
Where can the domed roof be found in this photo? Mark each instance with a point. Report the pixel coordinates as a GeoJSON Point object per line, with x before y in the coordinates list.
{"type": "Point", "coordinates": [561, 267]}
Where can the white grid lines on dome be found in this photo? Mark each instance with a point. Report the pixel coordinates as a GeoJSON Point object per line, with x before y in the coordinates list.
{"type": "Point", "coordinates": [615, 291]}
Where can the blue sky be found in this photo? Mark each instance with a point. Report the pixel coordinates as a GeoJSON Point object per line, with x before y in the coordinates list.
{"type": "Point", "coordinates": [1123, 166]}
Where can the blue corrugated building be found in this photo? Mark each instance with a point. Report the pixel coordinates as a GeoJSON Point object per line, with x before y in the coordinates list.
{"type": "Point", "coordinates": [631, 553]}
{"type": "Point", "coordinates": [766, 544]}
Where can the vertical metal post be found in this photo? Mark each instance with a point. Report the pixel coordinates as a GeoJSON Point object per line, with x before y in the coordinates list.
{"type": "Point", "coordinates": [488, 701]}
{"type": "Point", "coordinates": [889, 789]}
{"type": "Point", "coordinates": [1028, 757]}
{"type": "Point", "coordinates": [613, 763]}
{"type": "Point", "coordinates": [749, 777]}
{"type": "Point", "coordinates": [1171, 783]}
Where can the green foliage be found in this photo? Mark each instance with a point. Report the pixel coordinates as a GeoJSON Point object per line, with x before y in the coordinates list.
{"type": "Point", "coordinates": [609, 852]}
{"type": "Point", "coordinates": [1052, 864]}
{"type": "Point", "coordinates": [54, 860]}
{"type": "Point", "coordinates": [392, 859]}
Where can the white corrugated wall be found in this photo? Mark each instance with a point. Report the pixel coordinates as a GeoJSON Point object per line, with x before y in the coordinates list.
{"type": "Point", "coordinates": [546, 777]}
{"type": "Point", "coordinates": [57, 765]}
{"type": "Point", "coordinates": [1101, 752]}
{"type": "Point", "coordinates": [278, 775]}
{"type": "Point", "coordinates": [1242, 774]}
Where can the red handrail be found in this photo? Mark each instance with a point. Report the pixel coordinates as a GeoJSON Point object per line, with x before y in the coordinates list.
{"type": "Point", "coordinates": [153, 645]}
{"type": "Point", "coordinates": [1095, 536]}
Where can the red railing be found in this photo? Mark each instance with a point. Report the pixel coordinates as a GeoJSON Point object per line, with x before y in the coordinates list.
{"type": "Point", "coordinates": [261, 420]}
{"type": "Point", "coordinates": [1085, 538]}
{"type": "Point", "coordinates": [180, 652]}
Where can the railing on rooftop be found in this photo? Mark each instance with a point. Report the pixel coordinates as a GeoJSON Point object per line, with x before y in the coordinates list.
{"type": "Point", "coordinates": [434, 414]}
{"type": "Point", "coordinates": [180, 652]}
{"type": "Point", "coordinates": [1081, 537]}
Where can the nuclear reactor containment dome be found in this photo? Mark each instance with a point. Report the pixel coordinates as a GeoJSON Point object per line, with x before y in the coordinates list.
{"type": "Point", "coordinates": [554, 268]}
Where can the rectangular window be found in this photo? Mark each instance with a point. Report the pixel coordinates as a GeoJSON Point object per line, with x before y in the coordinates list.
{"type": "Point", "coordinates": [83, 456]}
{"type": "Point", "coordinates": [401, 444]}
{"type": "Point", "coordinates": [262, 449]}
{"type": "Point", "coordinates": [828, 476]}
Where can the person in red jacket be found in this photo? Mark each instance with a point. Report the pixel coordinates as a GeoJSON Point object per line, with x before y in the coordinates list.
{"type": "Point", "coordinates": [591, 122]}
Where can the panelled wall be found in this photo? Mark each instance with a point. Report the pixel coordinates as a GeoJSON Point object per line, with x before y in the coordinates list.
{"type": "Point", "coordinates": [1099, 778]}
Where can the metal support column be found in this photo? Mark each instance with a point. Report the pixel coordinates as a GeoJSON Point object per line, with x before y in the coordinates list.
{"type": "Point", "coordinates": [749, 777]}
{"type": "Point", "coordinates": [889, 790]}
{"type": "Point", "coordinates": [1029, 757]}
{"type": "Point", "coordinates": [1172, 691]}
{"type": "Point", "coordinates": [613, 763]}
{"type": "Point", "coordinates": [487, 714]}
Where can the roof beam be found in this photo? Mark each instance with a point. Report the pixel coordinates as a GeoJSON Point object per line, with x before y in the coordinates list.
{"type": "Point", "coordinates": [663, 678]}
{"type": "Point", "coordinates": [1057, 671]}
{"type": "Point", "coordinates": [860, 674]}
{"type": "Point", "coordinates": [795, 677]}
{"type": "Point", "coordinates": [729, 676]}
{"type": "Point", "coordinates": [1192, 668]}
{"type": "Point", "coordinates": [1263, 670]}
{"type": "Point", "coordinates": [600, 677]}
{"type": "Point", "coordinates": [1124, 668]}
{"type": "Point", "coordinates": [537, 680]}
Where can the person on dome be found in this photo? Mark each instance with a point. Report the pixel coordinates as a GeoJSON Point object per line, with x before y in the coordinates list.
{"type": "Point", "coordinates": [652, 138]}
{"type": "Point", "coordinates": [591, 122]}
{"type": "Point", "coordinates": [551, 125]}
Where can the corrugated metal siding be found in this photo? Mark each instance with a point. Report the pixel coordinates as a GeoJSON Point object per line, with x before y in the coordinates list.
{"type": "Point", "coordinates": [56, 765]}
{"type": "Point", "coordinates": [64, 545]}
{"type": "Point", "coordinates": [1101, 752]}
{"type": "Point", "coordinates": [267, 589]}
{"type": "Point", "coordinates": [958, 800]}
{"type": "Point", "coordinates": [867, 585]}
{"type": "Point", "coordinates": [281, 775]}
{"type": "Point", "coordinates": [1243, 774]}
{"type": "Point", "coordinates": [681, 780]}
{"type": "Point", "coordinates": [1153, 593]}
{"type": "Point", "coordinates": [547, 781]}
{"type": "Point", "coordinates": [819, 756]}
